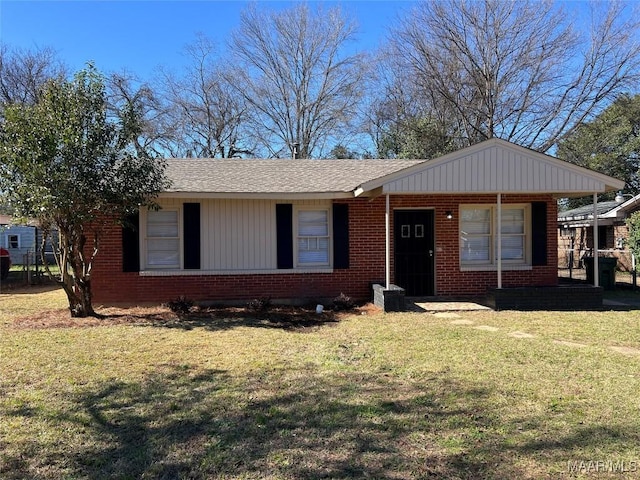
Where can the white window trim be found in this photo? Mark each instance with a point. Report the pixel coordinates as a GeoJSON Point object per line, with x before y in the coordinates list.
{"type": "Point", "coordinates": [8, 243]}
{"type": "Point", "coordinates": [491, 265]}
{"type": "Point", "coordinates": [144, 238]}
{"type": "Point", "coordinates": [312, 266]}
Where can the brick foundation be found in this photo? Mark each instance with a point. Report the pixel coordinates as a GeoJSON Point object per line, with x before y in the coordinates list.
{"type": "Point", "coordinates": [565, 297]}
{"type": "Point", "coordinates": [389, 300]}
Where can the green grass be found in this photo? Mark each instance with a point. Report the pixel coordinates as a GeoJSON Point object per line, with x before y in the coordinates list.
{"type": "Point", "coordinates": [373, 396]}
{"type": "Point", "coordinates": [28, 300]}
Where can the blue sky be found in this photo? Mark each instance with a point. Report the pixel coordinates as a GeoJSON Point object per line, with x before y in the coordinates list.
{"type": "Point", "coordinates": [138, 36]}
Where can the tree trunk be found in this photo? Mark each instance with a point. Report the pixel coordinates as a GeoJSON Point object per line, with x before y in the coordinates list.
{"type": "Point", "coordinates": [77, 286]}
{"type": "Point", "coordinates": [79, 296]}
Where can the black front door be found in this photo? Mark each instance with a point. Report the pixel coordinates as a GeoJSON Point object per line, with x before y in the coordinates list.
{"type": "Point", "coordinates": [414, 251]}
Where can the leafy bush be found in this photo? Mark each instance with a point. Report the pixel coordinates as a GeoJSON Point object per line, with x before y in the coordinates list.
{"type": "Point", "coordinates": [181, 305]}
{"type": "Point", "coordinates": [633, 224]}
{"type": "Point", "coordinates": [343, 302]}
{"type": "Point", "coordinates": [261, 304]}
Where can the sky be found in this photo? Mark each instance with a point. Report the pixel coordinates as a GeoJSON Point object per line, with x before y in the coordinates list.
{"type": "Point", "coordinates": [139, 36]}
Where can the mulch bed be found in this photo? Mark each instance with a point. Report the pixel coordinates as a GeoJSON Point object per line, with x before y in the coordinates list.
{"type": "Point", "coordinates": [284, 317]}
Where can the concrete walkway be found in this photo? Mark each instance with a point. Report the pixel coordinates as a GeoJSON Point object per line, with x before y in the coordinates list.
{"type": "Point", "coordinates": [420, 304]}
{"type": "Point", "coordinates": [630, 302]}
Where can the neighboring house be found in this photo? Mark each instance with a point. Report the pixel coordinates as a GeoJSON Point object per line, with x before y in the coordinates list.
{"type": "Point", "coordinates": [22, 240]}
{"type": "Point", "coordinates": [575, 232]}
{"type": "Point", "coordinates": [19, 240]}
{"type": "Point", "coordinates": [311, 229]}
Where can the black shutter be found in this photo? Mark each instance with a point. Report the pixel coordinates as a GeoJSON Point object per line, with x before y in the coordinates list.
{"type": "Point", "coordinates": [340, 235]}
{"type": "Point", "coordinates": [284, 235]}
{"type": "Point", "coordinates": [131, 243]}
{"type": "Point", "coordinates": [539, 233]}
{"type": "Point", "coordinates": [191, 241]}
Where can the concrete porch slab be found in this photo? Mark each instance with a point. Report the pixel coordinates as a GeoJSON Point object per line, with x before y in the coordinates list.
{"type": "Point", "coordinates": [443, 305]}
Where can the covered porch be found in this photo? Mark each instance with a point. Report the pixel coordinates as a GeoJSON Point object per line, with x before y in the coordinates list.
{"type": "Point", "coordinates": [490, 246]}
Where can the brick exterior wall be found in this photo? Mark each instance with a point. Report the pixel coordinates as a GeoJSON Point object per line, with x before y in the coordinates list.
{"type": "Point", "coordinates": [583, 245]}
{"type": "Point", "coordinates": [367, 254]}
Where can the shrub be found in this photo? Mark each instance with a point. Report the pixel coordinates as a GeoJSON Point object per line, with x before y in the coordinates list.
{"type": "Point", "coordinates": [181, 305]}
{"type": "Point", "coordinates": [261, 304]}
{"type": "Point", "coordinates": [343, 302]}
{"type": "Point", "coordinates": [633, 224]}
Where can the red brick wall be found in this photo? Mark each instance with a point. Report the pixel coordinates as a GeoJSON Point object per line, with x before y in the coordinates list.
{"type": "Point", "coordinates": [367, 256]}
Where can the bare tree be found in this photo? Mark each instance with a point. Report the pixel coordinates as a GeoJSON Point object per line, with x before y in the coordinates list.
{"type": "Point", "coordinates": [23, 73]}
{"type": "Point", "coordinates": [204, 115]}
{"type": "Point", "coordinates": [144, 107]}
{"type": "Point", "coordinates": [400, 123]}
{"type": "Point", "coordinates": [293, 72]}
{"type": "Point", "coordinates": [518, 70]}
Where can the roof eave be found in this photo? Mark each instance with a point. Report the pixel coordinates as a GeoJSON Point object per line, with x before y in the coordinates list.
{"type": "Point", "coordinates": [258, 195]}
{"type": "Point", "coordinates": [620, 211]}
{"type": "Point", "coordinates": [362, 192]}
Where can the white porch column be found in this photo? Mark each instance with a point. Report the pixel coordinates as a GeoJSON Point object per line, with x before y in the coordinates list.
{"type": "Point", "coordinates": [596, 266]}
{"type": "Point", "coordinates": [499, 213]}
{"type": "Point", "coordinates": [387, 245]}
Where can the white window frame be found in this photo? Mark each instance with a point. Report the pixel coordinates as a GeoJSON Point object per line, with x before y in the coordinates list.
{"type": "Point", "coordinates": [491, 263]}
{"type": "Point", "coordinates": [296, 236]}
{"type": "Point", "coordinates": [145, 241]}
{"type": "Point", "coordinates": [8, 240]}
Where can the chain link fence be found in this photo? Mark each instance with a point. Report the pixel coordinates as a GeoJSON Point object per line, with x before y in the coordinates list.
{"type": "Point", "coordinates": [571, 263]}
{"type": "Point", "coordinates": [29, 271]}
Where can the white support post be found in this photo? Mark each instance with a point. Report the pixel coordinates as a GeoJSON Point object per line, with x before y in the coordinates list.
{"type": "Point", "coordinates": [499, 213]}
{"type": "Point", "coordinates": [596, 266]}
{"type": "Point", "coordinates": [387, 248]}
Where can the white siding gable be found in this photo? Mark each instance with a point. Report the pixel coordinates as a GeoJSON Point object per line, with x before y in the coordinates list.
{"type": "Point", "coordinates": [495, 166]}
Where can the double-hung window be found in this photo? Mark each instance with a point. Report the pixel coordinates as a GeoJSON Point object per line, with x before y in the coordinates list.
{"type": "Point", "coordinates": [313, 238]}
{"type": "Point", "coordinates": [479, 235]}
{"type": "Point", "coordinates": [13, 240]}
{"type": "Point", "coordinates": [162, 239]}
{"type": "Point", "coordinates": [514, 246]}
{"type": "Point", "coordinates": [475, 235]}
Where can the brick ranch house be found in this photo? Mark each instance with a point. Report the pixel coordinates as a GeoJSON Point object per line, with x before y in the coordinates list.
{"type": "Point", "coordinates": [480, 218]}
{"type": "Point", "coordinates": [575, 232]}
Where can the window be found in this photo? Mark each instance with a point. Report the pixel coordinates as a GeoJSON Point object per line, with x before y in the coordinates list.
{"type": "Point", "coordinates": [478, 235]}
{"type": "Point", "coordinates": [475, 235]}
{"type": "Point", "coordinates": [162, 239]}
{"type": "Point", "coordinates": [513, 231]}
{"type": "Point", "coordinates": [13, 241]}
{"type": "Point", "coordinates": [313, 238]}
{"type": "Point", "coordinates": [603, 237]}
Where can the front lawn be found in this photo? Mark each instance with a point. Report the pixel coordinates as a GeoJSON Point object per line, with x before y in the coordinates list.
{"type": "Point", "coordinates": [399, 396]}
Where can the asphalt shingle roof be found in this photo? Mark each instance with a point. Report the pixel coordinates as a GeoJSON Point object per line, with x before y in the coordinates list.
{"type": "Point", "coordinates": [276, 175]}
{"type": "Point", "coordinates": [586, 210]}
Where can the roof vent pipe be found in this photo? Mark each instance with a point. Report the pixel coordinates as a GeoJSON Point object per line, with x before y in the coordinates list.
{"type": "Point", "coordinates": [296, 151]}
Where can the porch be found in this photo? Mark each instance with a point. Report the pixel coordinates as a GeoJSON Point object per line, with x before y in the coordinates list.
{"type": "Point", "coordinates": [564, 297]}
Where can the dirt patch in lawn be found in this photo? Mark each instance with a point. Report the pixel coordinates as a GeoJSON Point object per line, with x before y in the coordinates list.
{"type": "Point", "coordinates": [570, 344]}
{"type": "Point", "coordinates": [625, 350]}
{"type": "Point", "coordinates": [521, 335]}
{"type": "Point", "coordinates": [218, 318]}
